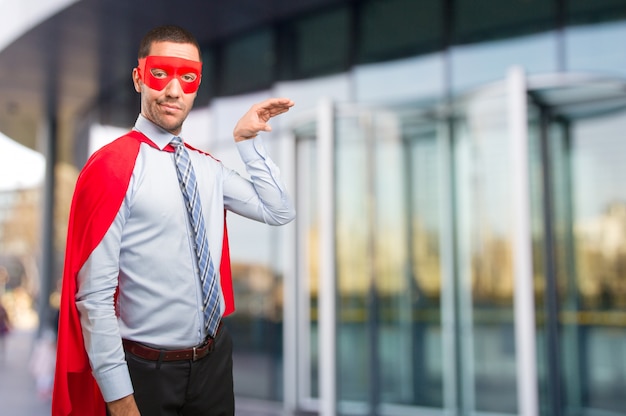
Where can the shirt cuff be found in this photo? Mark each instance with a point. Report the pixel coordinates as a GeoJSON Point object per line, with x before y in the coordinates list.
{"type": "Point", "coordinates": [252, 149]}
{"type": "Point", "coordinates": [115, 383]}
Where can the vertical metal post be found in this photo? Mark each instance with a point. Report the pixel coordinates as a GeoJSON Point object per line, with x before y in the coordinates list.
{"type": "Point", "coordinates": [573, 334]}
{"type": "Point", "coordinates": [525, 336]}
{"type": "Point", "coordinates": [290, 292]}
{"type": "Point", "coordinates": [451, 332]}
{"type": "Point", "coordinates": [49, 137]}
{"type": "Point", "coordinates": [327, 287]}
{"type": "Point", "coordinates": [47, 273]}
{"type": "Point", "coordinates": [302, 296]}
{"type": "Point", "coordinates": [551, 303]}
{"type": "Point", "coordinates": [372, 301]}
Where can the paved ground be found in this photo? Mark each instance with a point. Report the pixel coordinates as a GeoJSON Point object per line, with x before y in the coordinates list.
{"type": "Point", "coordinates": [18, 388]}
{"type": "Point", "coordinates": [19, 392]}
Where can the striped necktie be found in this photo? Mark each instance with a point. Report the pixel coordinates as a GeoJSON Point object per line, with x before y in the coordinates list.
{"type": "Point", "coordinates": [189, 188]}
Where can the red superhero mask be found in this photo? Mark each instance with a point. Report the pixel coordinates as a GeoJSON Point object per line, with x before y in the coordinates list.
{"type": "Point", "coordinates": [157, 71]}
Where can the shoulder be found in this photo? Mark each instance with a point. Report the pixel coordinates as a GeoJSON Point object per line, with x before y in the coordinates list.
{"type": "Point", "coordinates": [115, 154]}
{"type": "Point", "coordinates": [111, 164]}
{"type": "Point", "coordinates": [202, 152]}
{"type": "Point", "coordinates": [117, 148]}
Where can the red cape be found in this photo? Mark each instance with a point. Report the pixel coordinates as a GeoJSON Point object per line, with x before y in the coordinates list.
{"type": "Point", "coordinates": [99, 192]}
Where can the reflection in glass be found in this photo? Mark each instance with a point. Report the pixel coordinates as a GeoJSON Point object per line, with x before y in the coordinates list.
{"type": "Point", "coordinates": [354, 261]}
{"type": "Point", "coordinates": [308, 229]}
{"type": "Point", "coordinates": [485, 257]}
{"type": "Point", "coordinates": [257, 325]}
{"type": "Point", "coordinates": [592, 258]}
{"type": "Point", "coordinates": [390, 344]}
{"type": "Point", "coordinates": [421, 291]}
{"type": "Point", "coordinates": [388, 262]}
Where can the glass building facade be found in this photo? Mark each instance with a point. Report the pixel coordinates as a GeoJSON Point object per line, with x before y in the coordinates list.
{"type": "Point", "coordinates": [460, 245]}
{"type": "Point", "coordinates": [457, 168]}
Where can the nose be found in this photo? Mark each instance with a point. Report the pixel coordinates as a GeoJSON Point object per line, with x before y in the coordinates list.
{"type": "Point", "coordinates": [173, 88]}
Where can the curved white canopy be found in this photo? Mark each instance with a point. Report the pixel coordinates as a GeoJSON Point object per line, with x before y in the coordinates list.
{"type": "Point", "coordinates": [20, 167]}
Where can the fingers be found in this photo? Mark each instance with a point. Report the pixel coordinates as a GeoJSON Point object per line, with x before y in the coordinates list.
{"type": "Point", "coordinates": [280, 102]}
{"type": "Point", "coordinates": [255, 120]}
{"type": "Point", "coordinates": [265, 114]}
{"type": "Point", "coordinates": [273, 107]}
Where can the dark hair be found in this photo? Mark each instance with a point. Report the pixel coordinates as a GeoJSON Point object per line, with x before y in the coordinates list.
{"type": "Point", "coordinates": [166, 33]}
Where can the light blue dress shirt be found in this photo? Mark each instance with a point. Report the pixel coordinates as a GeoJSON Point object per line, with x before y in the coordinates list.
{"type": "Point", "coordinates": [150, 248]}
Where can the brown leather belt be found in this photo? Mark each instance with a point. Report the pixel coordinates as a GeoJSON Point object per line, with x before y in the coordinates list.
{"type": "Point", "coordinates": [153, 354]}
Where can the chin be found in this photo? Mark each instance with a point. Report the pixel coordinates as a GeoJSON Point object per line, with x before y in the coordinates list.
{"type": "Point", "coordinates": [171, 126]}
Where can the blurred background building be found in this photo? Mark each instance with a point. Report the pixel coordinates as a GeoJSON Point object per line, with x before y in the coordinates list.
{"type": "Point", "coordinates": [460, 245]}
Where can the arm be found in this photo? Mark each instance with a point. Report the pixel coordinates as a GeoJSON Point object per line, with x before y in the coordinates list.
{"type": "Point", "coordinates": [92, 263]}
{"type": "Point", "coordinates": [91, 214]}
{"type": "Point", "coordinates": [97, 283]}
{"type": "Point", "coordinates": [264, 198]}
{"type": "Point", "coordinates": [125, 406]}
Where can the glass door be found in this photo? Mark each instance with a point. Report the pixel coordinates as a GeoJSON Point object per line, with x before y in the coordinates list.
{"type": "Point", "coordinates": [423, 260]}
{"type": "Point", "coordinates": [305, 375]}
{"type": "Point", "coordinates": [476, 251]}
{"type": "Point", "coordinates": [494, 306]}
{"type": "Point", "coordinates": [387, 193]}
{"type": "Point", "coordinates": [583, 152]}
{"type": "Point", "coordinates": [390, 337]}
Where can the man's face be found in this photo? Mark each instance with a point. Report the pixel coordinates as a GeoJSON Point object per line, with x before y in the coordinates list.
{"type": "Point", "coordinates": [162, 79]}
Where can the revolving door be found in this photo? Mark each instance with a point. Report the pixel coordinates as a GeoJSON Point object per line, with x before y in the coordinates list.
{"type": "Point", "coordinates": [465, 257]}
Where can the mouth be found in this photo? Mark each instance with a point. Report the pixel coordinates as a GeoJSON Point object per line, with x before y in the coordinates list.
{"type": "Point", "coordinates": [170, 107]}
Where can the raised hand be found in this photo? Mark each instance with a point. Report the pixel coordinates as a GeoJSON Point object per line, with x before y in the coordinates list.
{"type": "Point", "coordinates": [255, 120]}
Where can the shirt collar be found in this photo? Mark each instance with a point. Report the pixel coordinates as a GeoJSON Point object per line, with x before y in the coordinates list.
{"type": "Point", "coordinates": [155, 133]}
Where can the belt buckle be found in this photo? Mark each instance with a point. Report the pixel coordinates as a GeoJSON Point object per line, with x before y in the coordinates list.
{"type": "Point", "coordinates": [195, 354]}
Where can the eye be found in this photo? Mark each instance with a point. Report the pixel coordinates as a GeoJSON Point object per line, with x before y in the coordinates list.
{"type": "Point", "coordinates": [158, 73]}
{"type": "Point", "coordinates": [190, 77]}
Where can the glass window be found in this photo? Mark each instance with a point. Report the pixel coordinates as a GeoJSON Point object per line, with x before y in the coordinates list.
{"type": "Point", "coordinates": [585, 11]}
{"type": "Point", "coordinates": [473, 65]}
{"type": "Point", "coordinates": [595, 292]}
{"type": "Point", "coordinates": [580, 365]}
{"type": "Point", "coordinates": [308, 257]}
{"type": "Point", "coordinates": [247, 63]}
{"type": "Point", "coordinates": [485, 257]}
{"type": "Point", "coordinates": [409, 231]}
{"type": "Point", "coordinates": [397, 28]}
{"type": "Point", "coordinates": [388, 261]}
{"type": "Point", "coordinates": [593, 48]}
{"type": "Point", "coordinates": [320, 44]}
{"type": "Point", "coordinates": [480, 20]}
{"type": "Point", "coordinates": [355, 259]}
{"type": "Point", "coordinates": [401, 80]}
{"type": "Point", "coordinates": [207, 86]}
{"type": "Point", "coordinates": [257, 325]}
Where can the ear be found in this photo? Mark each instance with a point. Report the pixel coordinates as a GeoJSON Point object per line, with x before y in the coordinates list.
{"type": "Point", "coordinates": [136, 79]}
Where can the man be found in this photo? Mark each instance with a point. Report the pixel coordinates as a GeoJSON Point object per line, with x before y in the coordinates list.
{"type": "Point", "coordinates": [142, 295]}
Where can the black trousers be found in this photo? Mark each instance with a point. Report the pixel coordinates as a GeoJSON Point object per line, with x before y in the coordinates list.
{"type": "Point", "coordinates": [186, 388]}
